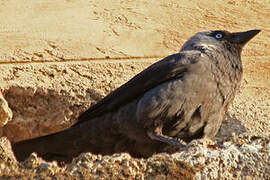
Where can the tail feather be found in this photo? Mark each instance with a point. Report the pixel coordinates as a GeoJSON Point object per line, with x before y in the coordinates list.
{"type": "Point", "coordinates": [96, 136]}
{"type": "Point", "coordinates": [62, 144]}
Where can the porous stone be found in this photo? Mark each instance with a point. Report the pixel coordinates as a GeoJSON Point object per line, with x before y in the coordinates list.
{"type": "Point", "coordinates": [5, 111]}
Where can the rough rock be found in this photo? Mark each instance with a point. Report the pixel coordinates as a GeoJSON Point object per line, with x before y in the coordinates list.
{"type": "Point", "coordinates": [5, 111]}
{"type": "Point", "coordinates": [238, 158]}
{"type": "Point", "coordinates": [6, 154]}
{"type": "Point", "coordinates": [244, 157]}
{"type": "Point", "coordinates": [7, 158]}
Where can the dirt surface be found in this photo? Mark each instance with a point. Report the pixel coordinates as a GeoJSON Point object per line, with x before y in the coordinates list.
{"type": "Point", "coordinates": [59, 57]}
{"type": "Point", "coordinates": [65, 29]}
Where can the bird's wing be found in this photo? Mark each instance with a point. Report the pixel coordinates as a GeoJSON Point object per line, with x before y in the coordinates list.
{"type": "Point", "coordinates": [171, 67]}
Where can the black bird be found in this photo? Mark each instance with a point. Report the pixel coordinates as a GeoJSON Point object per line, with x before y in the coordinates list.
{"type": "Point", "coordinates": [180, 98]}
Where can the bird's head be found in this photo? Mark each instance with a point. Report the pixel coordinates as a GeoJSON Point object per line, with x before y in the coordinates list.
{"type": "Point", "coordinates": [219, 41]}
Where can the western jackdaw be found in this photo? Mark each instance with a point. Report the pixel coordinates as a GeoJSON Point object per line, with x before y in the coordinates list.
{"type": "Point", "coordinates": [180, 98]}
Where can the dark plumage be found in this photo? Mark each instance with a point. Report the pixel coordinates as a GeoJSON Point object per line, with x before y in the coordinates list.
{"type": "Point", "coordinates": [185, 96]}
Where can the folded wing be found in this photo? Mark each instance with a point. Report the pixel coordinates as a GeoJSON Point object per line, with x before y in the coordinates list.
{"type": "Point", "coordinates": [171, 67]}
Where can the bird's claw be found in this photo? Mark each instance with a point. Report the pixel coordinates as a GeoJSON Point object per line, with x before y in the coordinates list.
{"type": "Point", "coordinates": [168, 140]}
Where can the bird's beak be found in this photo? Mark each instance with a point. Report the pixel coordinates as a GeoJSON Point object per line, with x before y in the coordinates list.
{"type": "Point", "coordinates": [243, 37]}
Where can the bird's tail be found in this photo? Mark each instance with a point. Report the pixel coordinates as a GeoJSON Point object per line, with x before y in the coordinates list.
{"type": "Point", "coordinates": [96, 136]}
{"type": "Point", "coordinates": [58, 146]}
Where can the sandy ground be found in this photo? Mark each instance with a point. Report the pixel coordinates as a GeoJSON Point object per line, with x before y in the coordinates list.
{"type": "Point", "coordinates": [66, 48]}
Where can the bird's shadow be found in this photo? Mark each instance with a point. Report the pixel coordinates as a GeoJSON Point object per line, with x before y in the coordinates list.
{"type": "Point", "coordinates": [231, 125]}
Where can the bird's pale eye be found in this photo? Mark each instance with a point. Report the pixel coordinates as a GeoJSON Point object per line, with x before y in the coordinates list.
{"type": "Point", "coordinates": [219, 36]}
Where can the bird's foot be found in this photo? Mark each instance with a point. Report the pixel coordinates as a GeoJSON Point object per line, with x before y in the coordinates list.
{"type": "Point", "coordinates": [156, 134]}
